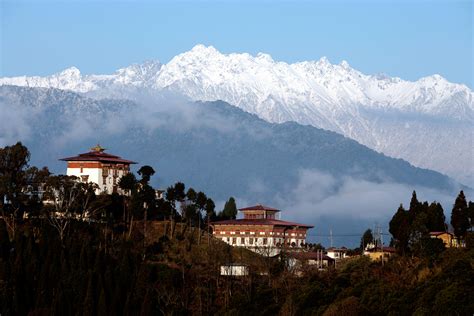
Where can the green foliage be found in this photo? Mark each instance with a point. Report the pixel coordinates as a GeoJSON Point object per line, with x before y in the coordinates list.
{"type": "Point", "coordinates": [146, 172]}
{"type": "Point", "coordinates": [460, 216]}
{"type": "Point", "coordinates": [367, 238]}
{"type": "Point", "coordinates": [128, 183]}
{"type": "Point", "coordinates": [410, 229]}
{"type": "Point", "coordinates": [105, 266]}
{"type": "Point", "coordinates": [399, 227]}
{"type": "Point", "coordinates": [230, 210]}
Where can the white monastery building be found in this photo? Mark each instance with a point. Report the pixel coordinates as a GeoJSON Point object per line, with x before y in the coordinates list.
{"type": "Point", "coordinates": [99, 167]}
{"type": "Point", "coordinates": [261, 232]}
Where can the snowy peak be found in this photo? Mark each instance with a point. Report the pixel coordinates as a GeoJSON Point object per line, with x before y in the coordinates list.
{"type": "Point", "coordinates": [206, 74]}
{"type": "Point", "coordinates": [71, 72]}
{"type": "Point", "coordinates": [388, 114]}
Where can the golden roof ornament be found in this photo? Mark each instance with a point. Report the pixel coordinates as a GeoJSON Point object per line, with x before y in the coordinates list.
{"type": "Point", "coordinates": [98, 148]}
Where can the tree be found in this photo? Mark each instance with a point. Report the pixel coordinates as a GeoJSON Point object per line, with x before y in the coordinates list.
{"type": "Point", "coordinates": [367, 238]}
{"type": "Point", "coordinates": [470, 212]}
{"type": "Point", "coordinates": [415, 205]}
{"type": "Point", "coordinates": [399, 227]}
{"type": "Point", "coordinates": [230, 209]}
{"type": "Point", "coordinates": [128, 183]}
{"type": "Point", "coordinates": [459, 216]}
{"type": "Point", "coordinates": [13, 163]}
{"type": "Point", "coordinates": [436, 219]}
{"type": "Point", "coordinates": [146, 172]}
{"type": "Point", "coordinates": [62, 192]}
{"type": "Point", "coordinates": [191, 195]}
{"type": "Point", "coordinates": [210, 210]}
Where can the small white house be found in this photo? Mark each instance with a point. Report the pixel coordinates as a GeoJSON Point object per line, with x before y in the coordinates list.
{"type": "Point", "coordinates": [337, 253]}
{"type": "Point", "coordinates": [235, 269]}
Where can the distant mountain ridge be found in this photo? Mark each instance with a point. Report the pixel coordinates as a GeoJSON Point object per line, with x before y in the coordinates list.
{"type": "Point", "coordinates": [206, 143]}
{"type": "Point", "coordinates": [428, 122]}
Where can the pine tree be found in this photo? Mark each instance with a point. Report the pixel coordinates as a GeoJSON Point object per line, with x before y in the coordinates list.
{"type": "Point", "coordinates": [436, 218]}
{"type": "Point", "coordinates": [400, 228]}
{"type": "Point", "coordinates": [230, 209]}
{"type": "Point", "coordinates": [415, 205]}
{"type": "Point", "coordinates": [459, 216]}
{"type": "Point", "coordinates": [470, 212]}
{"type": "Point", "coordinates": [367, 238]}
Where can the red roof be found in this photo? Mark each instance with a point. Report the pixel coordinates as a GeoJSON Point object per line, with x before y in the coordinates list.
{"type": "Point", "coordinates": [98, 156]}
{"type": "Point", "coordinates": [439, 233]}
{"type": "Point", "coordinates": [259, 207]}
{"type": "Point", "coordinates": [261, 221]}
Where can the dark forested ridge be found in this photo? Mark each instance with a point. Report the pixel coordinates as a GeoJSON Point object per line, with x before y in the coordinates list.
{"type": "Point", "coordinates": [211, 145]}
{"type": "Point", "coordinates": [66, 251]}
{"type": "Point", "coordinates": [39, 275]}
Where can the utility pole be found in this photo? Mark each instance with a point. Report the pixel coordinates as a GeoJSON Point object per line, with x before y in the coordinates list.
{"type": "Point", "coordinates": [330, 236]}
{"type": "Point", "coordinates": [381, 241]}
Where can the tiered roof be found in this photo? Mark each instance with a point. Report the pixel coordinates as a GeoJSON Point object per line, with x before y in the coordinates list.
{"type": "Point", "coordinates": [261, 221]}
{"type": "Point", "coordinates": [97, 154]}
{"type": "Point", "coordinates": [259, 207]}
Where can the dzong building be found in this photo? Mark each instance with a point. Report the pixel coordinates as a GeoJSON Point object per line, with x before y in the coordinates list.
{"type": "Point", "coordinates": [259, 230]}
{"type": "Point", "coordinates": [99, 167]}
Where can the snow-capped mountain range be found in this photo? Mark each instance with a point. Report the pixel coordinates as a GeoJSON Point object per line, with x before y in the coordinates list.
{"type": "Point", "coordinates": [428, 122]}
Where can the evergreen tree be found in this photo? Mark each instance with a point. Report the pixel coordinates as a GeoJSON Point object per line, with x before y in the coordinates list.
{"type": "Point", "coordinates": [230, 209]}
{"type": "Point", "coordinates": [436, 219]}
{"type": "Point", "coordinates": [191, 195]}
{"type": "Point", "coordinates": [400, 228]}
{"type": "Point", "coordinates": [459, 216]}
{"type": "Point", "coordinates": [470, 212]}
{"type": "Point", "coordinates": [415, 205]}
{"type": "Point", "coordinates": [367, 238]}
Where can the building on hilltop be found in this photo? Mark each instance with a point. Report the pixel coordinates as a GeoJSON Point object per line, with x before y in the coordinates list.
{"type": "Point", "coordinates": [381, 254]}
{"type": "Point", "coordinates": [100, 168]}
{"type": "Point", "coordinates": [261, 232]}
{"type": "Point", "coordinates": [337, 253]}
{"type": "Point", "coordinates": [449, 240]}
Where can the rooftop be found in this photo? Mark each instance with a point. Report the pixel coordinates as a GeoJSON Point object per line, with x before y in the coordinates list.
{"type": "Point", "coordinates": [259, 207]}
{"type": "Point", "coordinates": [97, 154]}
{"type": "Point", "coordinates": [261, 221]}
{"type": "Point", "coordinates": [439, 233]}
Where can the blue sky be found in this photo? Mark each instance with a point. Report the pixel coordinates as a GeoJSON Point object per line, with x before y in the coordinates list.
{"type": "Point", "coordinates": [409, 39]}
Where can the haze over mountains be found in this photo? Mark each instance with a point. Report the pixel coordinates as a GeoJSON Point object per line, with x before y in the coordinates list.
{"type": "Point", "coordinates": [316, 175]}
{"type": "Point", "coordinates": [428, 122]}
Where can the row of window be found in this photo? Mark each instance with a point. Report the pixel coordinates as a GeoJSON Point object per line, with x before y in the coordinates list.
{"type": "Point", "coordinates": [262, 233]}
{"type": "Point", "coordinates": [264, 241]}
{"type": "Point", "coordinates": [259, 216]}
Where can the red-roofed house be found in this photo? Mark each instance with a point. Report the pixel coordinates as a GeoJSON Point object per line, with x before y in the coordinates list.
{"type": "Point", "coordinates": [448, 239]}
{"type": "Point", "coordinates": [260, 231]}
{"type": "Point", "coordinates": [98, 167]}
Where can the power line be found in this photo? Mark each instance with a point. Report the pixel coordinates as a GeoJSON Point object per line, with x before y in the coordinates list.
{"type": "Point", "coordinates": [341, 235]}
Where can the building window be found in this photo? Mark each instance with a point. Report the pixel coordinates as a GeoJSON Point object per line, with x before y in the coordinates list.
{"type": "Point", "coordinates": [264, 241]}
{"type": "Point", "coordinates": [242, 240]}
{"type": "Point", "coordinates": [234, 240]}
{"type": "Point", "coordinates": [251, 241]}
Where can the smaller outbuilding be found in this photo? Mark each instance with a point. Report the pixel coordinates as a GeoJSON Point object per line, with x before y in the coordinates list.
{"type": "Point", "coordinates": [337, 253]}
{"type": "Point", "coordinates": [380, 253]}
{"type": "Point", "coordinates": [448, 239]}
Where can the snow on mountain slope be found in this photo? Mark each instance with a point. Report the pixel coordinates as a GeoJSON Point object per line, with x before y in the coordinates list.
{"type": "Point", "coordinates": [428, 122]}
